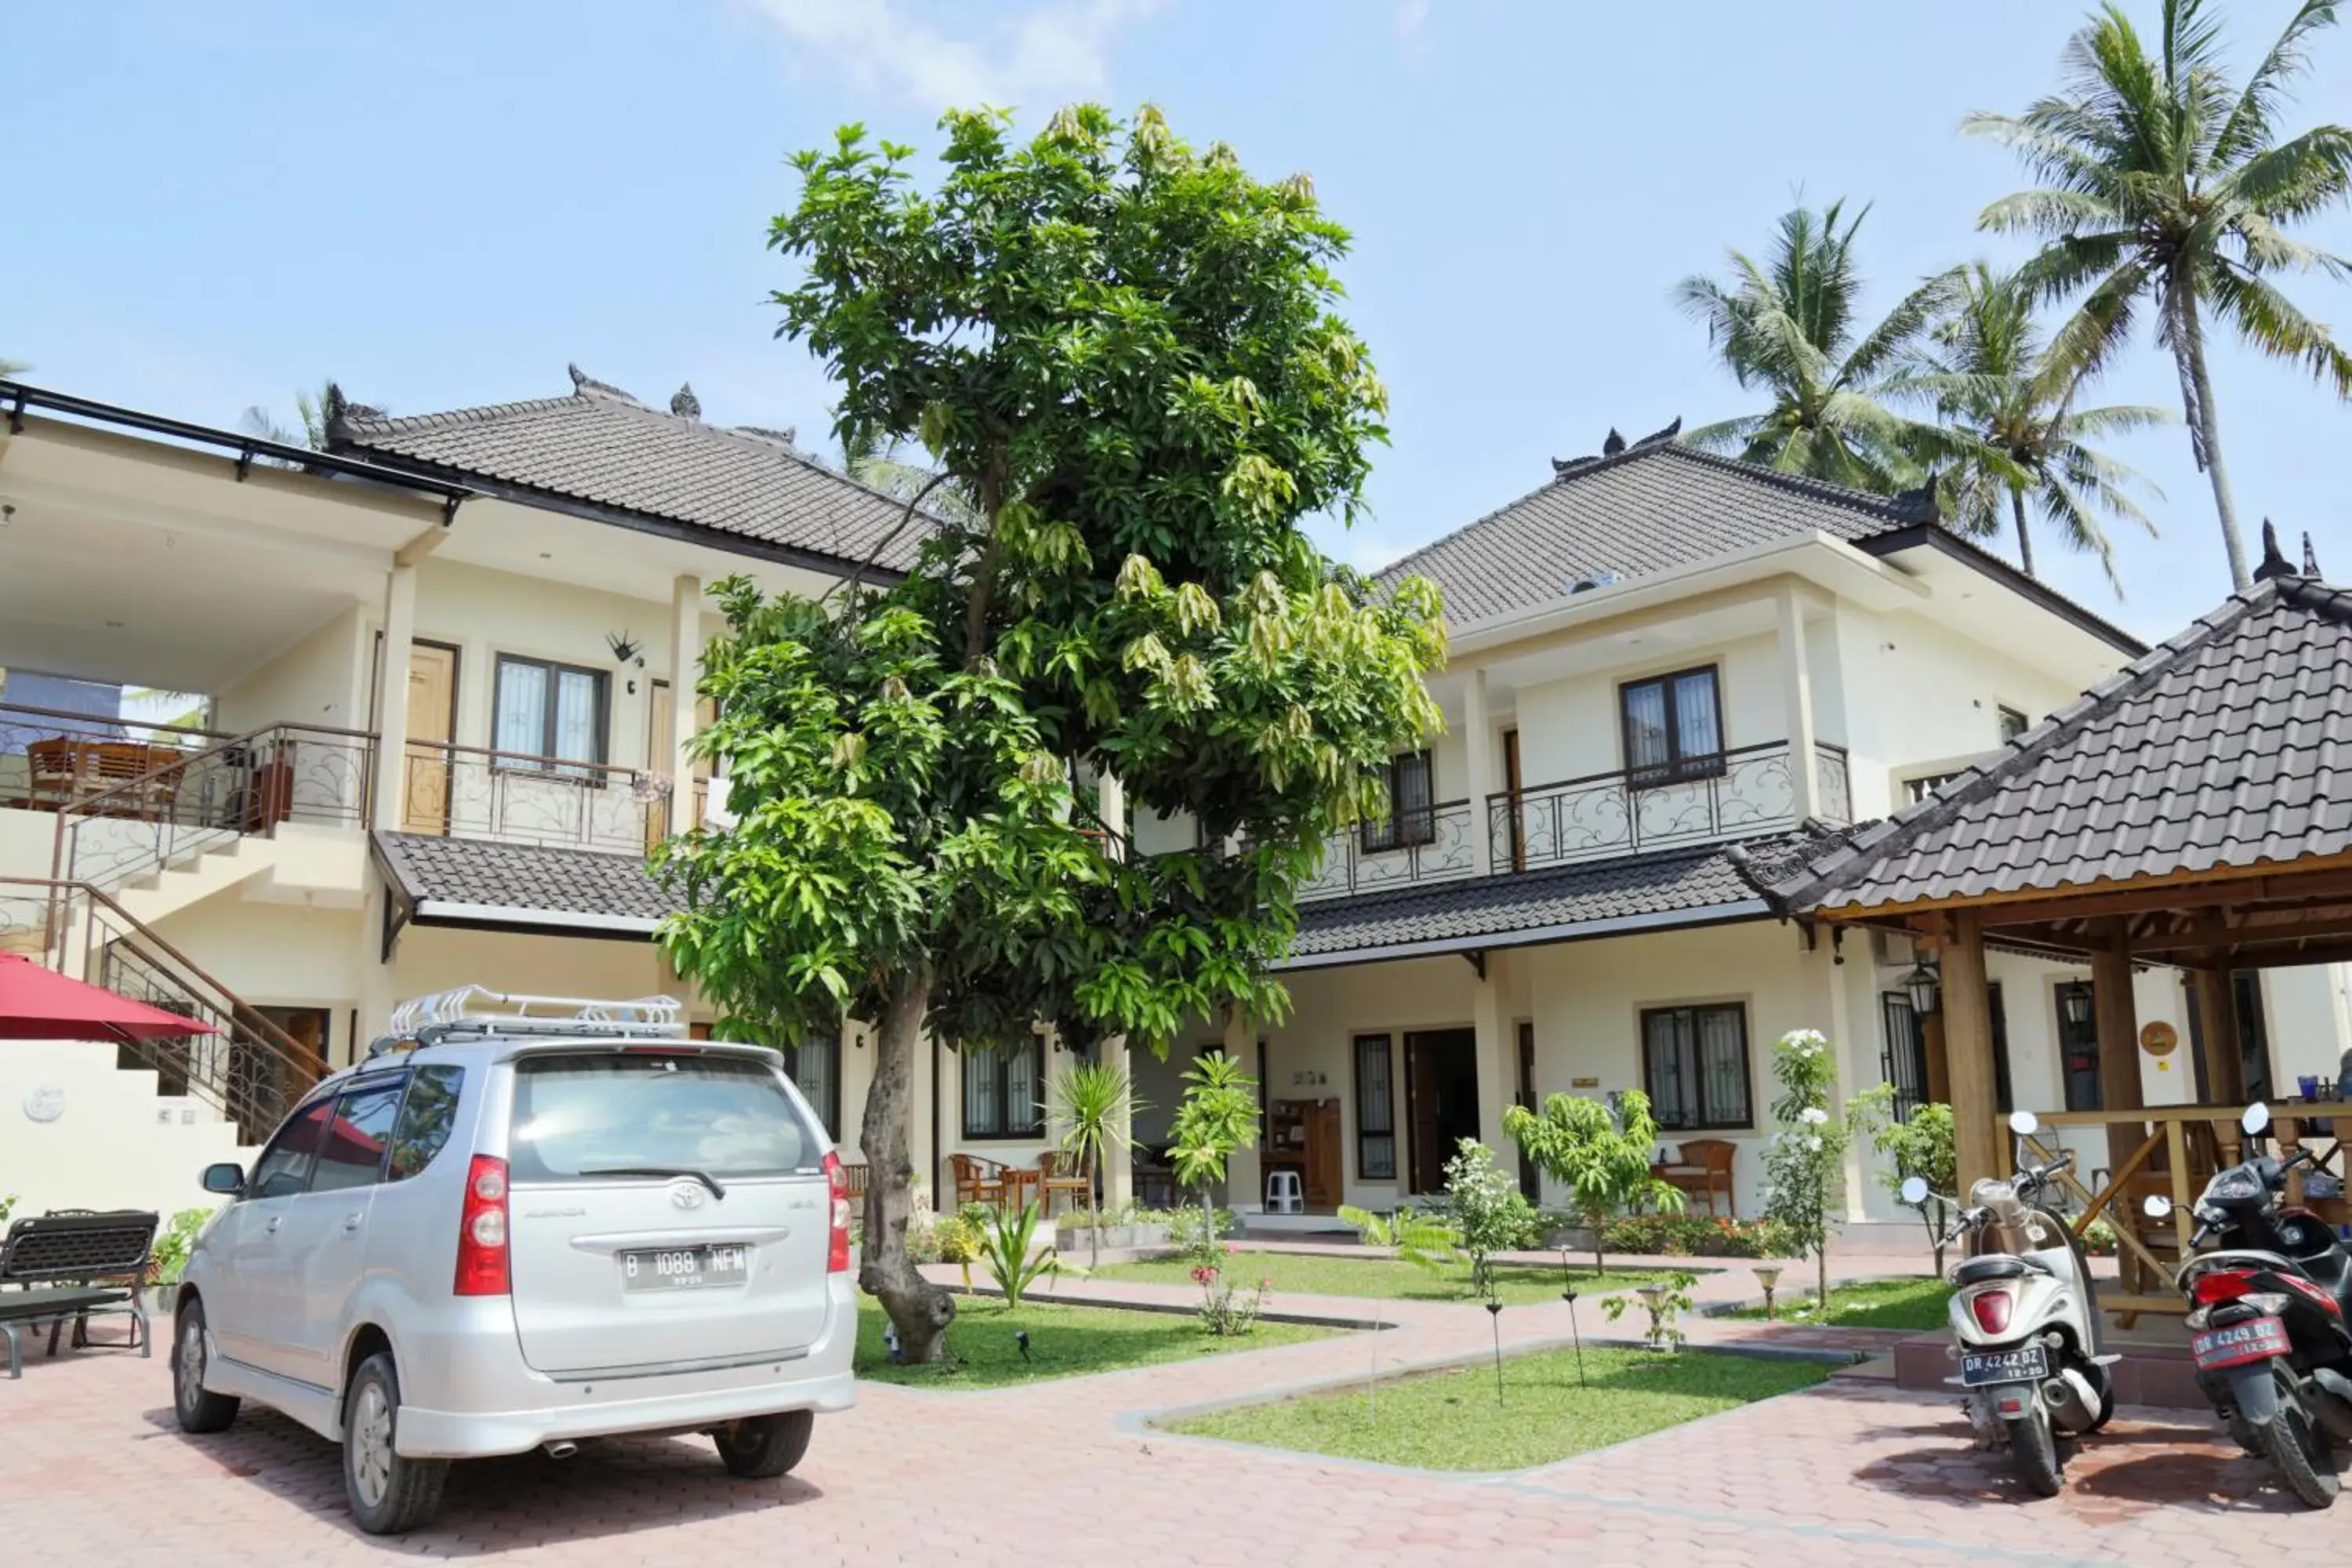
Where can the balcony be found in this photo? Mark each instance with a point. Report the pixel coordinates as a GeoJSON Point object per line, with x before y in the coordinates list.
{"type": "Point", "coordinates": [1739, 794]}
{"type": "Point", "coordinates": [511, 797]}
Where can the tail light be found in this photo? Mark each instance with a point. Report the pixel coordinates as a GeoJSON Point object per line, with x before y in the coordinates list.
{"type": "Point", "coordinates": [1992, 1309]}
{"type": "Point", "coordinates": [837, 1261]}
{"type": "Point", "coordinates": [2216, 1288]}
{"type": "Point", "coordinates": [482, 1231]}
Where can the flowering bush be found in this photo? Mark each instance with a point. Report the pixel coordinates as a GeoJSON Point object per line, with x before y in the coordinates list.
{"type": "Point", "coordinates": [1690, 1236]}
{"type": "Point", "coordinates": [1805, 1164]}
{"type": "Point", "coordinates": [1223, 1309]}
{"type": "Point", "coordinates": [1487, 1212]}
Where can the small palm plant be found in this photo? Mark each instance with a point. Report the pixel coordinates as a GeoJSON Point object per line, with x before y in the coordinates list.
{"type": "Point", "coordinates": [1005, 1251]}
{"type": "Point", "coordinates": [1092, 1106]}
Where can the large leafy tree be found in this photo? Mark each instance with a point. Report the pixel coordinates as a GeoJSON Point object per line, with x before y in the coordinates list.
{"type": "Point", "coordinates": [1124, 352]}
{"type": "Point", "coordinates": [2164, 185]}
{"type": "Point", "coordinates": [1787, 325]}
{"type": "Point", "coordinates": [1991, 373]}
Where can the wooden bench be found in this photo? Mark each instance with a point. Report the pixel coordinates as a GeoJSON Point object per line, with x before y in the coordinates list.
{"type": "Point", "coordinates": [74, 1264]}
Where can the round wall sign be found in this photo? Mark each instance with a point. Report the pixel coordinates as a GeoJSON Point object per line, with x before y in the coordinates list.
{"type": "Point", "coordinates": [2159, 1038]}
{"type": "Point", "coordinates": [44, 1102]}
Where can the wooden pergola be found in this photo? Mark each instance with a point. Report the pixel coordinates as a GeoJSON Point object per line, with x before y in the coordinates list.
{"type": "Point", "coordinates": [2189, 813]}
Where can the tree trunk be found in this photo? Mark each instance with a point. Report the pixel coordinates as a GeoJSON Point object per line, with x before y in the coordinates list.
{"type": "Point", "coordinates": [2025, 539]}
{"type": "Point", "coordinates": [919, 1310]}
{"type": "Point", "coordinates": [2207, 425]}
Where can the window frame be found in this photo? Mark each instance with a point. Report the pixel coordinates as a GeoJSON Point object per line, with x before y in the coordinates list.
{"type": "Point", "coordinates": [996, 1062]}
{"type": "Point", "coordinates": [1385, 1043]}
{"type": "Point", "coordinates": [1707, 1122]}
{"type": "Point", "coordinates": [828, 1114]}
{"type": "Point", "coordinates": [1392, 833]}
{"type": "Point", "coordinates": [545, 762]}
{"type": "Point", "coordinates": [1680, 767]}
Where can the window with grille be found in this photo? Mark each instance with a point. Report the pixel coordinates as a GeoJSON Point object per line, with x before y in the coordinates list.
{"type": "Point", "coordinates": [814, 1067]}
{"type": "Point", "coordinates": [1375, 1109]}
{"type": "Point", "coordinates": [1411, 819]}
{"type": "Point", "coordinates": [1674, 727]}
{"type": "Point", "coordinates": [1694, 1067]}
{"type": "Point", "coordinates": [1001, 1096]}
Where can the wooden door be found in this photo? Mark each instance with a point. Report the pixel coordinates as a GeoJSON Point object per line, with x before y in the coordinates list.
{"type": "Point", "coordinates": [432, 724]}
{"type": "Point", "coordinates": [1322, 1180]}
{"type": "Point", "coordinates": [1425, 1166]}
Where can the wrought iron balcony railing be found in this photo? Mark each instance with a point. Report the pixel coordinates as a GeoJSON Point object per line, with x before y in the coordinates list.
{"type": "Point", "coordinates": [472, 791]}
{"type": "Point", "coordinates": [1732, 795]}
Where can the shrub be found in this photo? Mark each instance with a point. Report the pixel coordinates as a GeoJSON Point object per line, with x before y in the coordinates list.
{"type": "Point", "coordinates": [1602, 1155]}
{"type": "Point", "coordinates": [1804, 1165]}
{"type": "Point", "coordinates": [1223, 1310]}
{"type": "Point", "coordinates": [169, 1258]}
{"type": "Point", "coordinates": [1007, 1248]}
{"type": "Point", "coordinates": [1198, 1233]}
{"type": "Point", "coordinates": [1487, 1211]}
{"type": "Point", "coordinates": [1688, 1236]}
{"type": "Point", "coordinates": [1664, 1306]}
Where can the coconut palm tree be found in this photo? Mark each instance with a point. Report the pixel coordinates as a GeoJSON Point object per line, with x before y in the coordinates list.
{"type": "Point", "coordinates": [2159, 181]}
{"type": "Point", "coordinates": [1992, 374]}
{"type": "Point", "coordinates": [310, 411]}
{"type": "Point", "coordinates": [1787, 326]}
{"type": "Point", "coordinates": [14, 366]}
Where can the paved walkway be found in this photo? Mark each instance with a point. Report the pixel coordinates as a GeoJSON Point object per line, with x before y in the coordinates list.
{"type": "Point", "coordinates": [92, 1469]}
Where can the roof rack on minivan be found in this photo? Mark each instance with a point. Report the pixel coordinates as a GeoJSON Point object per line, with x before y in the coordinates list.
{"type": "Point", "coordinates": [475, 1011]}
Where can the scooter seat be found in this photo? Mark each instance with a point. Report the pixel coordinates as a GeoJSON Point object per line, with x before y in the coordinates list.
{"type": "Point", "coordinates": [1993, 1266]}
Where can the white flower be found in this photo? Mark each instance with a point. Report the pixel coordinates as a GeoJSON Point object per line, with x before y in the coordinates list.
{"type": "Point", "coordinates": [1812, 1145]}
{"type": "Point", "coordinates": [1813, 1114]}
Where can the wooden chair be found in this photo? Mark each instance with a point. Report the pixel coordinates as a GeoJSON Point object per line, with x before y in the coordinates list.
{"type": "Point", "coordinates": [977, 1180]}
{"type": "Point", "coordinates": [56, 776]}
{"type": "Point", "coordinates": [857, 1175]}
{"type": "Point", "coordinates": [1059, 1173]}
{"type": "Point", "coordinates": [147, 778]}
{"type": "Point", "coordinates": [1703, 1170]}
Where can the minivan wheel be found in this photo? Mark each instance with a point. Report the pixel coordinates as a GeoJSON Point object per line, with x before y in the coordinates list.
{"type": "Point", "coordinates": [198, 1410]}
{"type": "Point", "coordinates": [389, 1495]}
{"type": "Point", "coordinates": [761, 1448]}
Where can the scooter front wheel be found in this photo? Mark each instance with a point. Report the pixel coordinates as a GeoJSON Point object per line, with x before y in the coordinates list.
{"type": "Point", "coordinates": [2300, 1453]}
{"type": "Point", "coordinates": [2034, 1448]}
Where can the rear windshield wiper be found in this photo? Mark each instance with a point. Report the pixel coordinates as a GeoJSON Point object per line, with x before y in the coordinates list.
{"type": "Point", "coordinates": [705, 1177]}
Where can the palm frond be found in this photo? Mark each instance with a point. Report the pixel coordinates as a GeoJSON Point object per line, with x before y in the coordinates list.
{"type": "Point", "coordinates": [2270, 321]}
{"type": "Point", "coordinates": [2253, 119]}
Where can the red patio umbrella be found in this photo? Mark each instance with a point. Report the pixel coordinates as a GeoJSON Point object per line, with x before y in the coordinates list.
{"type": "Point", "coordinates": [38, 1004]}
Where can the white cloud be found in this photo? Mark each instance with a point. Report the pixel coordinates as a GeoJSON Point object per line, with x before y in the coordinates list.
{"type": "Point", "coordinates": [1411, 16]}
{"type": "Point", "coordinates": [939, 57]}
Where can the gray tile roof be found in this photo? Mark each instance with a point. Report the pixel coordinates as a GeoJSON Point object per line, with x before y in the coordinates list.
{"type": "Point", "coordinates": [1633, 892]}
{"type": "Point", "coordinates": [487, 874]}
{"type": "Point", "coordinates": [2230, 744]}
{"type": "Point", "coordinates": [602, 448]}
{"type": "Point", "coordinates": [1650, 508]}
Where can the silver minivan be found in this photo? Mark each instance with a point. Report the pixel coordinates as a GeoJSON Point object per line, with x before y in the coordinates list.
{"type": "Point", "coordinates": [520, 1223]}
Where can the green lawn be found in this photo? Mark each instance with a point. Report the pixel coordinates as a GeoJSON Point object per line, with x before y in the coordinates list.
{"type": "Point", "coordinates": [1064, 1342]}
{"type": "Point", "coordinates": [1321, 1274]}
{"type": "Point", "coordinates": [1453, 1421]}
{"type": "Point", "coordinates": [1869, 1304]}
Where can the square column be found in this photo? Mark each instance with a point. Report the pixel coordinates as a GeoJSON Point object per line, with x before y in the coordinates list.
{"type": "Point", "coordinates": [391, 698]}
{"type": "Point", "coordinates": [1245, 1177]}
{"type": "Point", "coordinates": [1118, 1159]}
{"type": "Point", "coordinates": [1497, 1053]}
{"type": "Point", "coordinates": [1797, 687]}
{"type": "Point", "coordinates": [1978, 1145]}
{"type": "Point", "coordinates": [1478, 778]}
{"type": "Point", "coordinates": [684, 668]}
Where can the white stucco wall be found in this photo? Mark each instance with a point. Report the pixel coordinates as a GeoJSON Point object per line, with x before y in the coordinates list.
{"type": "Point", "coordinates": [117, 1145]}
{"type": "Point", "coordinates": [319, 680]}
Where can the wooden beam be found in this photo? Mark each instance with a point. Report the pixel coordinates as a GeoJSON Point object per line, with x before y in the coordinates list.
{"type": "Point", "coordinates": [2217, 1021]}
{"type": "Point", "coordinates": [2333, 925]}
{"type": "Point", "coordinates": [1968, 1043]}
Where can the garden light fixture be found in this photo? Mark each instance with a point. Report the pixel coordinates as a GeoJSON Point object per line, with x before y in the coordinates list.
{"type": "Point", "coordinates": [1767, 1274]}
{"type": "Point", "coordinates": [1925, 987]}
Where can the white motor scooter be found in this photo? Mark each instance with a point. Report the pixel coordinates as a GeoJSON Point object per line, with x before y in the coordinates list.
{"type": "Point", "coordinates": [2025, 1320]}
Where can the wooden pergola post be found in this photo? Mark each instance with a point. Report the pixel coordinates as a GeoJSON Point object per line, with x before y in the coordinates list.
{"type": "Point", "coordinates": [2217, 1021]}
{"type": "Point", "coordinates": [2118, 1026]}
{"type": "Point", "coordinates": [1939, 1064]}
{"type": "Point", "coordinates": [1968, 1047]}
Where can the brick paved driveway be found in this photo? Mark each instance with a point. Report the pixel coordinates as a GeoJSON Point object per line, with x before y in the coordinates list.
{"type": "Point", "coordinates": [92, 1468]}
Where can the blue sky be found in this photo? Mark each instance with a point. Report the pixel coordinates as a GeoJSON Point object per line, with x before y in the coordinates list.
{"type": "Point", "coordinates": [440, 204]}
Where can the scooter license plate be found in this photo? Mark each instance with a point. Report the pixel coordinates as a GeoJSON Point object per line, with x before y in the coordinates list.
{"type": "Point", "coordinates": [2240, 1343]}
{"type": "Point", "coordinates": [2027, 1363]}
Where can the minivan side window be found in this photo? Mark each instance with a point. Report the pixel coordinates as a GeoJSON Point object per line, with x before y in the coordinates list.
{"type": "Point", "coordinates": [284, 1168]}
{"type": "Point", "coordinates": [426, 1119]}
{"type": "Point", "coordinates": [352, 1150]}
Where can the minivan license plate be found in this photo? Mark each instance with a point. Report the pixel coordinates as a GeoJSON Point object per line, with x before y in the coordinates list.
{"type": "Point", "coordinates": [685, 1268]}
{"type": "Point", "coordinates": [2028, 1364]}
{"type": "Point", "coordinates": [2240, 1343]}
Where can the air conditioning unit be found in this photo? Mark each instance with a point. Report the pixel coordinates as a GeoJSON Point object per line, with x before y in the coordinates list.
{"type": "Point", "coordinates": [1892, 950]}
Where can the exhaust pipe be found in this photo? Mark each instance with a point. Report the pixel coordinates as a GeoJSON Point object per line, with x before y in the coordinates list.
{"type": "Point", "coordinates": [560, 1450]}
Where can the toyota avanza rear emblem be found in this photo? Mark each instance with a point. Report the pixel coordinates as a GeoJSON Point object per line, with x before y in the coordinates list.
{"type": "Point", "coordinates": [687, 1195]}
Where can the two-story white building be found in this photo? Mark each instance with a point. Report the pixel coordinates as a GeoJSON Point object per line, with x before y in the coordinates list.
{"type": "Point", "coordinates": [435, 674]}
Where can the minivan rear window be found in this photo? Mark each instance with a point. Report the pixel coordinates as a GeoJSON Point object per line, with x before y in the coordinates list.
{"type": "Point", "coordinates": [718, 1115]}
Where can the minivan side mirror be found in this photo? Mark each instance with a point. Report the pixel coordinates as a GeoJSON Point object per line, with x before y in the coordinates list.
{"type": "Point", "coordinates": [226, 1177]}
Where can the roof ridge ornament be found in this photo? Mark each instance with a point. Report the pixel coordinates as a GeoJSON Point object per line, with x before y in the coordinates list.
{"type": "Point", "coordinates": [2310, 561]}
{"type": "Point", "coordinates": [2274, 564]}
{"type": "Point", "coordinates": [584, 385]}
{"type": "Point", "coordinates": [685, 404]}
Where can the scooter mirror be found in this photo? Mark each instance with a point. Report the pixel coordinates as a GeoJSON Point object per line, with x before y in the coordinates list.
{"type": "Point", "coordinates": [2155, 1206]}
{"type": "Point", "coordinates": [1914, 1191]}
{"type": "Point", "coordinates": [2024, 1123]}
{"type": "Point", "coordinates": [2256, 1119]}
